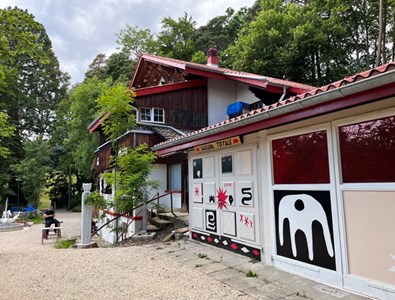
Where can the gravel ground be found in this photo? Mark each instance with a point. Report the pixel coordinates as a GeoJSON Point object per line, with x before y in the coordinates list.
{"type": "Point", "coordinates": [29, 270]}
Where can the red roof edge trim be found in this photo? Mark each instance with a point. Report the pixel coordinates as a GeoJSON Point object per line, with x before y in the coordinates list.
{"type": "Point", "coordinates": [175, 63]}
{"type": "Point", "coordinates": [208, 73]}
{"type": "Point", "coordinates": [253, 82]}
{"type": "Point", "coordinates": [135, 73]}
{"type": "Point", "coordinates": [99, 121]}
{"type": "Point", "coordinates": [170, 87]}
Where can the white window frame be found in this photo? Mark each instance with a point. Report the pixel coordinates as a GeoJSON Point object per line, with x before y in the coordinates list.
{"type": "Point", "coordinates": [154, 112]}
{"type": "Point", "coordinates": [316, 272]}
{"type": "Point", "coordinates": [353, 282]}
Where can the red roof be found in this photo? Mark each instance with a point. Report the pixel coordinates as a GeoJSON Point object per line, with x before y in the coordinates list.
{"type": "Point", "coordinates": [344, 102]}
{"type": "Point", "coordinates": [223, 73]}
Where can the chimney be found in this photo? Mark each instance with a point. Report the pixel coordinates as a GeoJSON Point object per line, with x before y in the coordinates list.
{"type": "Point", "coordinates": [212, 57]}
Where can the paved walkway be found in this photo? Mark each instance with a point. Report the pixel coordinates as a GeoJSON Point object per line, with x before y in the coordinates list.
{"type": "Point", "coordinates": [232, 270]}
{"type": "Point", "coordinates": [182, 269]}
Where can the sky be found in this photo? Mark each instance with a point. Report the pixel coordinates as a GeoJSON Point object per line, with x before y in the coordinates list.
{"type": "Point", "coordinates": [81, 29]}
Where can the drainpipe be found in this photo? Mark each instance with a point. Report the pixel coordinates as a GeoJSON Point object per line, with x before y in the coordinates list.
{"type": "Point", "coordinates": [284, 94]}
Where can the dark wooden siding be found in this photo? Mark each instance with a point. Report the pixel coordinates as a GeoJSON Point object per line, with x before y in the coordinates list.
{"type": "Point", "coordinates": [183, 108]}
{"type": "Point", "coordinates": [105, 152]}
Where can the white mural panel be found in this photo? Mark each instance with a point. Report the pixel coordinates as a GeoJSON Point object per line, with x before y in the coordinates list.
{"type": "Point", "coordinates": [197, 193]}
{"type": "Point", "coordinates": [197, 217]}
{"type": "Point", "coordinates": [244, 162]}
{"type": "Point", "coordinates": [209, 192]}
{"type": "Point", "coordinates": [245, 193]}
{"type": "Point", "coordinates": [229, 222]}
{"type": "Point", "coordinates": [246, 226]}
{"type": "Point", "coordinates": [209, 167]}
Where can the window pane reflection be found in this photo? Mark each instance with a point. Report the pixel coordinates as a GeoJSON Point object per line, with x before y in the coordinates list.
{"type": "Point", "coordinates": [301, 159]}
{"type": "Point", "coordinates": [367, 151]}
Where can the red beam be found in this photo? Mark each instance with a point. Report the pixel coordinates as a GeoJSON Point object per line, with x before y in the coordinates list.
{"type": "Point", "coordinates": [205, 73]}
{"type": "Point", "coordinates": [313, 111]}
{"type": "Point", "coordinates": [111, 213]}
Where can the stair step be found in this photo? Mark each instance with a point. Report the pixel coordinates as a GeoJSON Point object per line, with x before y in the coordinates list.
{"type": "Point", "coordinates": [160, 223]}
{"type": "Point", "coordinates": [152, 228]}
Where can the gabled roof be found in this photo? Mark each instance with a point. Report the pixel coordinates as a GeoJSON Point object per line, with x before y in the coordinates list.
{"type": "Point", "coordinates": [361, 88]}
{"type": "Point", "coordinates": [265, 82]}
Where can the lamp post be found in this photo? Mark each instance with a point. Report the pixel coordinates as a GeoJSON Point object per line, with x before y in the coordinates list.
{"type": "Point", "coordinates": [17, 182]}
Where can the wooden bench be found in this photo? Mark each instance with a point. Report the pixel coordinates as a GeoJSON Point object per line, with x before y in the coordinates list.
{"type": "Point", "coordinates": [51, 232]}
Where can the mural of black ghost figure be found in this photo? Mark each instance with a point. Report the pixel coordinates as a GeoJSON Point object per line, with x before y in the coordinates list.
{"type": "Point", "coordinates": [304, 229]}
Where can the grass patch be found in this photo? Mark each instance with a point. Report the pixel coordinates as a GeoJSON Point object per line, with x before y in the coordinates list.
{"type": "Point", "coordinates": [251, 274]}
{"type": "Point", "coordinates": [265, 280]}
{"type": "Point", "coordinates": [65, 244]}
{"type": "Point", "coordinates": [202, 255]}
{"type": "Point", "coordinates": [31, 217]}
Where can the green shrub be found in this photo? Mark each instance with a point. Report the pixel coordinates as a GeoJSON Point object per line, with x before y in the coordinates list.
{"type": "Point", "coordinates": [251, 274]}
{"type": "Point", "coordinates": [65, 244]}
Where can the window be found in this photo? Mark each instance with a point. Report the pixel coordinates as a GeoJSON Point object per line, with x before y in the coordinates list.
{"type": "Point", "coordinates": [301, 159]}
{"type": "Point", "coordinates": [175, 177]}
{"type": "Point", "coordinates": [158, 115]}
{"type": "Point", "coordinates": [367, 151]}
{"type": "Point", "coordinates": [145, 114]}
{"type": "Point", "coordinates": [152, 115]}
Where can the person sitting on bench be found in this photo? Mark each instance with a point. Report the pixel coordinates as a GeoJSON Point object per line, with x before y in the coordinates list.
{"type": "Point", "coordinates": [49, 216]}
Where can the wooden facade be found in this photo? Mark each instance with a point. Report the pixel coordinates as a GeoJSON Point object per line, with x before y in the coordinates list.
{"type": "Point", "coordinates": [130, 140]}
{"type": "Point", "coordinates": [184, 109]}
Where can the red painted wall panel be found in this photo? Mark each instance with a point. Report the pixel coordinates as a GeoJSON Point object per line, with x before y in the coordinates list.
{"type": "Point", "coordinates": [301, 159]}
{"type": "Point", "coordinates": [367, 151]}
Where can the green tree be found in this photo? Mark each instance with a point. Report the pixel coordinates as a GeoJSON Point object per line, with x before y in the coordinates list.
{"type": "Point", "coordinates": [120, 66]}
{"type": "Point", "coordinates": [97, 67]}
{"type": "Point", "coordinates": [132, 178]}
{"type": "Point", "coordinates": [31, 84]}
{"type": "Point", "coordinates": [6, 131]}
{"type": "Point", "coordinates": [79, 142]}
{"type": "Point", "coordinates": [115, 102]}
{"type": "Point", "coordinates": [34, 168]}
{"type": "Point", "coordinates": [177, 37]}
{"type": "Point", "coordinates": [304, 43]}
{"type": "Point", "coordinates": [136, 41]}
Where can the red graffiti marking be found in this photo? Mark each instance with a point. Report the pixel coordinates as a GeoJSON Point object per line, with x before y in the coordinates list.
{"type": "Point", "coordinates": [221, 195]}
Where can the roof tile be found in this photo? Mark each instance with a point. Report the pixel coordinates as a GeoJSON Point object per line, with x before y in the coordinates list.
{"type": "Point", "coordinates": [300, 97]}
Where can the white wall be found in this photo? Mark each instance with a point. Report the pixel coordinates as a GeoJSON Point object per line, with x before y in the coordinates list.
{"type": "Point", "coordinates": [160, 173]}
{"type": "Point", "coordinates": [243, 94]}
{"type": "Point", "coordinates": [221, 93]}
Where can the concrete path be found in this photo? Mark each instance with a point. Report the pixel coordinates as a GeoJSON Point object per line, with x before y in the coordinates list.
{"type": "Point", "coordinates": [232, 270]}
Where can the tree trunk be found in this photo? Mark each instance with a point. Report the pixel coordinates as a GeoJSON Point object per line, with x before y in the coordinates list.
{"type": "Point", "coordinates": [381, 33]}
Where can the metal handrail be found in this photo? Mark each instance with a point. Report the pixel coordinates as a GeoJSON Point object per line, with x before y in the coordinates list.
{"type": "Point", "coordinates": [155, 197]}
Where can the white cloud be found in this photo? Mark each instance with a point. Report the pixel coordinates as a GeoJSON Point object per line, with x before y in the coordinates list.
{"type": "Point", "coordinates": [79, 30]}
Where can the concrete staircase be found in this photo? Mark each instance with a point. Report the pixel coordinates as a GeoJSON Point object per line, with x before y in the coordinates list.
{"type": "Point", "coordinates": [165, 220]}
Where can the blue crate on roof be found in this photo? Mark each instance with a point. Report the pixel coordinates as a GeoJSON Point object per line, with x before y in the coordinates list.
{"type": "Point", "coordinates": [236, 109]}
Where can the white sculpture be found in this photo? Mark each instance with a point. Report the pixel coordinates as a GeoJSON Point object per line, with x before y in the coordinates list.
{"type": "Point", "coordinates": [6, 217]}
{"type": "Point", "coordinates": [301, 210]}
